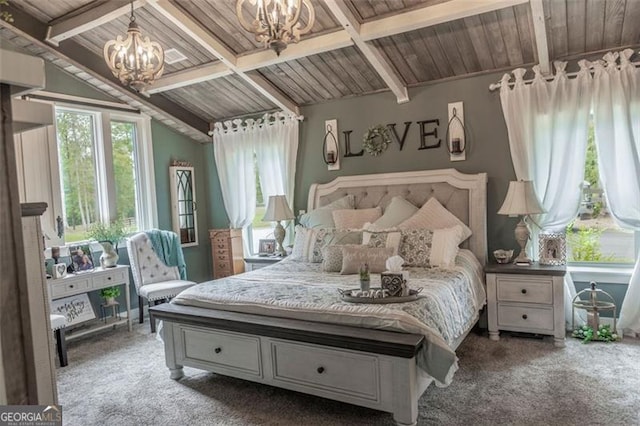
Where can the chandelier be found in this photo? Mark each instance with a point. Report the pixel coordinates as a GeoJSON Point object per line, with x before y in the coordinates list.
{"type": "Point", "coordinates": [276, 22]}
{"type": "Point", "coordinates": [136, 60]}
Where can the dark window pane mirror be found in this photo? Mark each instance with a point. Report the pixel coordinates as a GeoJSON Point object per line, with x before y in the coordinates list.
{"type": "Point", "coordinates": [183, 204]}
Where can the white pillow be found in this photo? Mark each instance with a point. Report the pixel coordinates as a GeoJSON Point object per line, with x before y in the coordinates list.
{"type": "Point", "coordinates": [355, 219]}
{"type": "Point", "coordinates": [432, 215]}
{"type": "Point", "coordinates": [396, 212]}
{"type": "Point", "coordinates": [444, 246]}
{"type": "Point", "coordinates": [302, 244]}
{"type": "Point", "coordinates": [322, 217]}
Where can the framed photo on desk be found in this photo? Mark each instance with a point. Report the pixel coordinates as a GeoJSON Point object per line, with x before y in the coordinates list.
{"type": "Point", "coordinates": [266, 247]}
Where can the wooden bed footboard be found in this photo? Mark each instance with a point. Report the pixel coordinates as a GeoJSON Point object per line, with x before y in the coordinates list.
{"type": "Point", "coordinates": [371, 368]}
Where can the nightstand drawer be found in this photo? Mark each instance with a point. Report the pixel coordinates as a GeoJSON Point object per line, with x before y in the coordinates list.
{"type": "Point", "coordinates": [529, 290]}
{"type": "Point", "coordinates": [525, 317]}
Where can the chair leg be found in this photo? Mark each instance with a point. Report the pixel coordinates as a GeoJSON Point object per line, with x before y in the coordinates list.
{"type": "Point", "coordinates": [151, 319]}
{"type": "Point", "coordinates": [141, 309]}
{"type": "Point", "coordinates": [61, 345]}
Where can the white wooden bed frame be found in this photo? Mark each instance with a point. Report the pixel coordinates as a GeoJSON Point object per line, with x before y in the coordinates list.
{"type": "Point", "coordinates": [370, 368]}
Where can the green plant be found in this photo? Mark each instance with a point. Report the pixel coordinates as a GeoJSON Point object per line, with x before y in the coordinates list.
{"type": "Point", "coordinates": [604, 334]}
{"type": "Point", "coordinates": [110, 292]}
{"type": "Point", "coordinates": [4, 15]}
{"type": "Point", "coordinates": [112, 232]}
{"type": "Point", "coordinates": [585, 245]}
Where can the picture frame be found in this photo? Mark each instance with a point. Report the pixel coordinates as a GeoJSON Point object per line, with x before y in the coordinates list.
{"type": "Point", "coordinates": [266, 247]}
{"type": "Point", "coordinates": [553, 248]}
{"type": "Point", "coordinates": [81, 259]}
{"type": "Point", "coordinates": [76, 309]}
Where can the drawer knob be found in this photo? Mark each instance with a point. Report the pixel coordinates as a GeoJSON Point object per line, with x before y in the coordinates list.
{"type": "Point", "coordinates": [109, 278]}
{"type": "Point", "coordinates": [320, 370]}
{"type": "Point", "coordinates": [524, 316]}
{"type": "Point", "coordinates": [217, 350]}
{"type": "Point", "coordinates": [70, 285]}
{"type": "Point", "coordinates": [524, 291]}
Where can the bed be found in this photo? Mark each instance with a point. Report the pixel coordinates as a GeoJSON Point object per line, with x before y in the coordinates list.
{"type": "Point", "coordinates": [285, 326]}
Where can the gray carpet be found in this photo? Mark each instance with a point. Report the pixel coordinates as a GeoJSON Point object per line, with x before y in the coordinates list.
{"type": "Point", "coordinates": [119, 378]}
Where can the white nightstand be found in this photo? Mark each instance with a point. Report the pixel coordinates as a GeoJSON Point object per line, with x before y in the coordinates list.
{"type": "Point", "coordinates": [527, 299]}
{"type": "Point", "coordinates": [256, 262]}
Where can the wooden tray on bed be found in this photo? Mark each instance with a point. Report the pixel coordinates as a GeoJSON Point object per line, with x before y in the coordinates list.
{"type": "Point", "coordinates": [347, 297]}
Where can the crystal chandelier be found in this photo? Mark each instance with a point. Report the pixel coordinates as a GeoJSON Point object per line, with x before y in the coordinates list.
{"type": "Point", "coordinates": [136, 60]}
{"type": "Point", "coordinates": [276, 22]}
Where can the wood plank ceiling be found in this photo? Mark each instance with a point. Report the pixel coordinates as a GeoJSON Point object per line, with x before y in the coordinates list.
{"type": "Point", "coordinates": [418, 41]}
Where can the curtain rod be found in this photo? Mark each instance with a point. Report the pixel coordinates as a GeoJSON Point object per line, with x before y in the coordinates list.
{"type": "Point", "coordinates": [494, 86]}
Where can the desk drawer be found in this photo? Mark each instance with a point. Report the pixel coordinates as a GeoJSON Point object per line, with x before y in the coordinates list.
{"type": "Point", "coordinates": [332, 370]}
{"type": "Point", "coordinates": [232, 351]}
{"type": "Point", "coordinates": [528, 290]}
{"type": "Point", "coordinates": [62, 288]}
{"type": "Point", "coordinates": [114, 277]}
{"type": "Point", "coordinates": [525, 317]}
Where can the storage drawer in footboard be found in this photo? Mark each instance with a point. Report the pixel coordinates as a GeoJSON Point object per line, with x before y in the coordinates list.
{"type": "Point", "coordinates": [334, 370]}
{"type": "Point", "coordinates": [225, 352]}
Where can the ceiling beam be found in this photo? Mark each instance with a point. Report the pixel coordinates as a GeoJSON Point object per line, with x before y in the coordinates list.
{"type": "Point", "coordinates": [370, 52]}
{"type": "Point", "coordinates": [189, 76]}
{"type": "Point", "coordinates": [214, 46]}
{"type": "Point", "coordinates": [88, 20]}
{"type": "Point", "coordinates": [431, 15]}
{"type": "Point", "coordinates": [94, 67]}
{"type": "Point", "coordinates": [540, 32]}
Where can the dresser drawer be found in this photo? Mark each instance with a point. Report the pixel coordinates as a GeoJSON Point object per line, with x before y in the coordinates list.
{"type": "Point", "coordinates": [333, 370]}
{"type": "Point", "coordinates": [231, 351]}
{"type": "Point", "coordinates": [62, 288]}
{"type": "Point", "coordinates": [529, 290]}
{"type": "Point", "coordinates": [115, 277]}
{"type": "Point", "coordinates": [525, 317]}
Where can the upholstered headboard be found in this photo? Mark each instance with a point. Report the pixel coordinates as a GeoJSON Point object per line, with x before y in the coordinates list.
{"type": "Point", "coordinates": [464, 195]}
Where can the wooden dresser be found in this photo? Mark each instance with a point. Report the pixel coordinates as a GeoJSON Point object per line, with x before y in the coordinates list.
{"type": "Point", "coordinates": [226, 252]}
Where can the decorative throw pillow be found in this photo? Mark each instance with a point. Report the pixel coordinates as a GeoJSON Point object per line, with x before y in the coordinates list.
{"type": "Point", "coordinates": [322, 217]}
{"type": "Point", "coordinates": [415, 247]}
{"type": "Point", "coordinates": [396, 212]}
{"type": "Point", "coordinates": [432, 215]}
{"type": "Point", "coordinates": [327, 237]}
{"type": "Point", "coordinates": [355, 219]}
{"type": "Point", "coordinates": [332, 257]}
{"type": "Point", "coordinates": [444, 247]}
{"type": "Point", "coordinates": [354, 256]}
{"type": "Point", "coordinates": [302, 244]}
{"type": "Point", "coordinates": [382, 239]}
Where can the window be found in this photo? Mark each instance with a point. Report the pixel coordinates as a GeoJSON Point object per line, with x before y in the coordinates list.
{"type": "Point", "coordinates": [106, 170]}
{"type": "Point", "coordinates": [259, 229]}
{"type": "Point", "coordinates": [594, 237]}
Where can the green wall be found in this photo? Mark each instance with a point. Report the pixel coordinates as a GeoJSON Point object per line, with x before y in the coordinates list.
{"type": "Point", "coordinates": [488, 148]}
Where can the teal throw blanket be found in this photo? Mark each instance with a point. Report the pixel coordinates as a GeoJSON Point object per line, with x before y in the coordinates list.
{"type": "Point", "coordinates": [167, 246]}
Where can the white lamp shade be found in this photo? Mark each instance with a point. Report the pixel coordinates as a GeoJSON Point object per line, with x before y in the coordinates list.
{"type": "Point", "coordinates": [278, 209]}
{"type": "Point", "coordinates": [521, 200]}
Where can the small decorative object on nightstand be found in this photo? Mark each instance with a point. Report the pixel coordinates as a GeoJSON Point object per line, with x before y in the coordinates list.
{"type": "Point", "coordinates": [257, 262]}
{"type": "Point", "coordinates": [526, 299]}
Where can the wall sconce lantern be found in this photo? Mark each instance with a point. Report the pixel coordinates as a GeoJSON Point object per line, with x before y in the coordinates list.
{"type": "Point", "coordinates": [456, 136]}
{"type": "Point", "coordinates": [330, 146]}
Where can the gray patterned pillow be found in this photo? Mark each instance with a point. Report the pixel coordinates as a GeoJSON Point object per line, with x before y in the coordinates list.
{"type": "Point", "coordinates": [332, 257]}
{"type": "Point", "coordinates": [415, 247]}
{"type": "Point", "coordinates": [329, 237]}
{"type": "Point", "coordinates": [383, 239]}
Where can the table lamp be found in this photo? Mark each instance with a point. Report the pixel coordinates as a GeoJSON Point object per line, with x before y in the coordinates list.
{"type": "Point", "coordinates": [521, 201]}
{"type": "Point", "coordinates": [278, 209]}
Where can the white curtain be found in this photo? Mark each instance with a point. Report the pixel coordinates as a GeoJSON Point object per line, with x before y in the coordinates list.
{"type": "Point", "coordinates": [616, 108]}
{"type": "Point", "coordinates": [547, 123]}
{"type": "Point", "coordinates": [273, 139]}
{"type": "Point", "coordinates": [233, 148]}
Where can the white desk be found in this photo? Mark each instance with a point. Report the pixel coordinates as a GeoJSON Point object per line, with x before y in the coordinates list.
{"type": "Point", "coordinates": [85, 282]}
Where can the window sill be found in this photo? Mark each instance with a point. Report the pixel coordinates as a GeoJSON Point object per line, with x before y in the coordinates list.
{"type": "Point", "coordinates": [603, 274]}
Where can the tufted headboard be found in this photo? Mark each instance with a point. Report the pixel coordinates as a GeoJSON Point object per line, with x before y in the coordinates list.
{"type": "Point", "coordinates": [464, 195]}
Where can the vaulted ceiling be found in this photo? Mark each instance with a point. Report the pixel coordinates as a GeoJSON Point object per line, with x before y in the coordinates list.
{"type": "Point", "coordinates": [355, 47]}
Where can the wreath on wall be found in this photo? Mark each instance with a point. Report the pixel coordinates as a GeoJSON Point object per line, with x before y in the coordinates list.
{"type": "Point", "coordinates": [376, 140]}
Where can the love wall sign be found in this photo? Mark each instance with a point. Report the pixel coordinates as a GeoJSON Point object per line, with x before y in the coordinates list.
{"type": "Point", "coordinates": [377, 138]}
